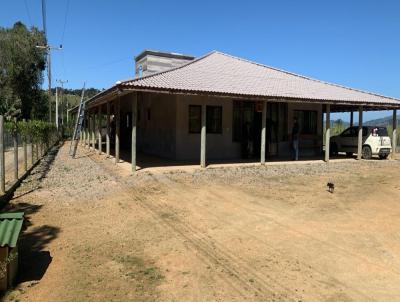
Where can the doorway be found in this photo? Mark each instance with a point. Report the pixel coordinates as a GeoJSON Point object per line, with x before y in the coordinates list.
{"type": "Point", "coordinates": [247, 124]}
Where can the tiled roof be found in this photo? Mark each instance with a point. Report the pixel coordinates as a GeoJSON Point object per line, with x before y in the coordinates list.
{"type": "Point", "coordinates": [10, 227]}
{"type": "Point", "coordinates": [219, 73]}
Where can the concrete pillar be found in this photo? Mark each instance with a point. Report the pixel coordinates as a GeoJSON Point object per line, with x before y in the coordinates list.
{"type": "Point", "coordinates": [2, 158]}
{"type": "Point", "coordinates": [87, 144]}
{"type": "Point", "coordinates": [360, 134]}
{"type": "Point", "coordinates": [134, 123]}
{"type": "Point", "coordinates": [351, 118]}
{"type": "Point", "coordinates": [89, 130]}
{"type": "Point", "coordinates": [203, 136]}
{"type": "Point", "coordinates": [117, 127]}
{"type": "Point", "coordinates": [83, 134]}
{"type": "Point", "coordinates": [394, 139]}
{"type": "Point", "coordinates": [263, 132]}
{"type": "Point", "coordinates": [327, 132]}
{"type": "Point", "coordinates": [93, 130]}
{"type": "Point", "coordinates": [108, 131]}
{"type": "Point", "coordinates": [99, 120]}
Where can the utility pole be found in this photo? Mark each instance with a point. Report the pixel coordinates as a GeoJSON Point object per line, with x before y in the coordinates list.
{"type": "Point", "coordinates": [48, 48]}
{"type": "Point", "coordinates": [62, 101]}
{"type": "Point", "coordinates": [57, 107]}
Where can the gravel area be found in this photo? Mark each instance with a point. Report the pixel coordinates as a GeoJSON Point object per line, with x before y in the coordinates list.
{"type": "Point", "coordinates": [67, 179]}
{"type": "Point", "coordinates": [259, 174]}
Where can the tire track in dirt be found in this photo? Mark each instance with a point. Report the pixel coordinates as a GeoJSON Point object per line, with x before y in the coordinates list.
{"type": "Point", "coordinates": [276, 252]}
{"type": "Point", "coordinates": [232, 267]}
{"type": "Point", "coordinates": [273, 284]}
{"type": "Point", "coordinates": [338, 249]}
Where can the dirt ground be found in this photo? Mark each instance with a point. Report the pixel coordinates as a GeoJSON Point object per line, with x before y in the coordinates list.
{"type": "Point", "coordinates": [274, 233]}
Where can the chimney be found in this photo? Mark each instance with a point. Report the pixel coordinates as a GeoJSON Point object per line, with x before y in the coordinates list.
{"type": "Point", "coordinates": [150, 61]}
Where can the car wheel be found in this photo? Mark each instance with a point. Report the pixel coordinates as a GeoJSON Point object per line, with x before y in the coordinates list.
{"type": "Point", "coordinates": [385, 156]}
{"type": "Point", "coordinates": [333, 150]}
{"type": "Point", "coordinates": [349, 154]}
{"type": "Point", "coordinates": [366, 152]}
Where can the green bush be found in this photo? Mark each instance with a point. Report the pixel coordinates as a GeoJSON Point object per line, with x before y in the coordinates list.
{"type": "Point", "coordinates": [37, 131]}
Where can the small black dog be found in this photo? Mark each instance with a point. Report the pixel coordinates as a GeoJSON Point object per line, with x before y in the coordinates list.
{"type": "Point", "coordinates": [331, 187]}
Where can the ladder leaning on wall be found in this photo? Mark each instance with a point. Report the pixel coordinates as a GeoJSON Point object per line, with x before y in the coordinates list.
{"type": "Point", "coordinates": [78, 126]}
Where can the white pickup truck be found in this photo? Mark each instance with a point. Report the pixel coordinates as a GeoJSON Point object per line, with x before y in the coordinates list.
{"type": "Point", "coordinates": [376, 141]}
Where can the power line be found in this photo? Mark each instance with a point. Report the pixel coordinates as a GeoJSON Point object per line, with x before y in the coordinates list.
{"type": "Point", "coordinates": [28, 13]}
{"type": "Point", "coordinates": [65, 22]}
{"type": "Point", "coordinates": [48, 49]}
{"type": "Point", "coordinates": [44, 17]}
{"type": "Point", "coordinates": [106, 64]}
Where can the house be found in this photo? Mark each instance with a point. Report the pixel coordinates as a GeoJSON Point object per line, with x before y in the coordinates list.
{"type": "Point", "coordinates": [218, 107]}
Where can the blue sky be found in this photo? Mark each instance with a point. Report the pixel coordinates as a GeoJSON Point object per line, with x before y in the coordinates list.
{"type": "Point", "coordinates": [353, 43]}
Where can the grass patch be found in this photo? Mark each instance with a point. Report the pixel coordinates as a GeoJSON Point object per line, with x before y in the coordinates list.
{"type": "Point", "coordinates": [136, 268]}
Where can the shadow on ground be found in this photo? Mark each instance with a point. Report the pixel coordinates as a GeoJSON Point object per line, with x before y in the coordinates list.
{"type": "Point", "coordinates": [34, 259]}
{"type": "Point", "coordinates": [47, 161]}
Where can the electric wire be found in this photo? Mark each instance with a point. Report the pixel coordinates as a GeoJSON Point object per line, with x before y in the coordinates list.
{"type": "Point", "coordinates": [65, 22]}
{"type": "Point", "coordinates": [44, 18]}
{"type": "Point", "coordinates": [28, 13]}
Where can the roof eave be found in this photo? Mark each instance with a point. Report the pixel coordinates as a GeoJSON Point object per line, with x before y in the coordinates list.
{"type": "Point", "coordinates": [261, 97]}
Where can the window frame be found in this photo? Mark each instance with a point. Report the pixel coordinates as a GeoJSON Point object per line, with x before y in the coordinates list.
{"type": "Point", "coordinates": [190, 130]}
{"type": "Point", "coordinates": [218, 129]}
{"type": "Point", "coordinates": [301, 119]}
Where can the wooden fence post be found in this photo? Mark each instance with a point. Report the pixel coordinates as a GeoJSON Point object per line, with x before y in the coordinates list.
{"type": "Point", "coordinates": [32, 158]}
{"type": "Point", "coordinates": [15, 141]}
{"type": "Point", "coordinates": [37, 150]}
{"type": "Point", "coordinates": [25, 147]}
{"type": "Point", "coordinates": [2, 158]}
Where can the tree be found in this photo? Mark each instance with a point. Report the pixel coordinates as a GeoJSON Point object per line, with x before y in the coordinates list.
{"type": "Point", "coordinates": [21, 72]}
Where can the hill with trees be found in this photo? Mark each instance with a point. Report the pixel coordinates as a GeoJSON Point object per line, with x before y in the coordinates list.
{"type": "Point", "coordinates": [21, 76]}
{"type": "Point", "coordinates": [21, 72]}
{"type": "Point", "coordinates": [384, 122]}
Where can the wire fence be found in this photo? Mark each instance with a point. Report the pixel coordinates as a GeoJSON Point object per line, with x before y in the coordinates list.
{"type": "Point", "coordinates": [22, 145]}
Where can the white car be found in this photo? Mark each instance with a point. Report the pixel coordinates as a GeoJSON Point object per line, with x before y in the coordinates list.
{"type": "Point", "coordinates": [376, 141]}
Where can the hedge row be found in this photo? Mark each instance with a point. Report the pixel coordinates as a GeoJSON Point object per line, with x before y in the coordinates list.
{"type": "Point", "coordinates": [37, 131]}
